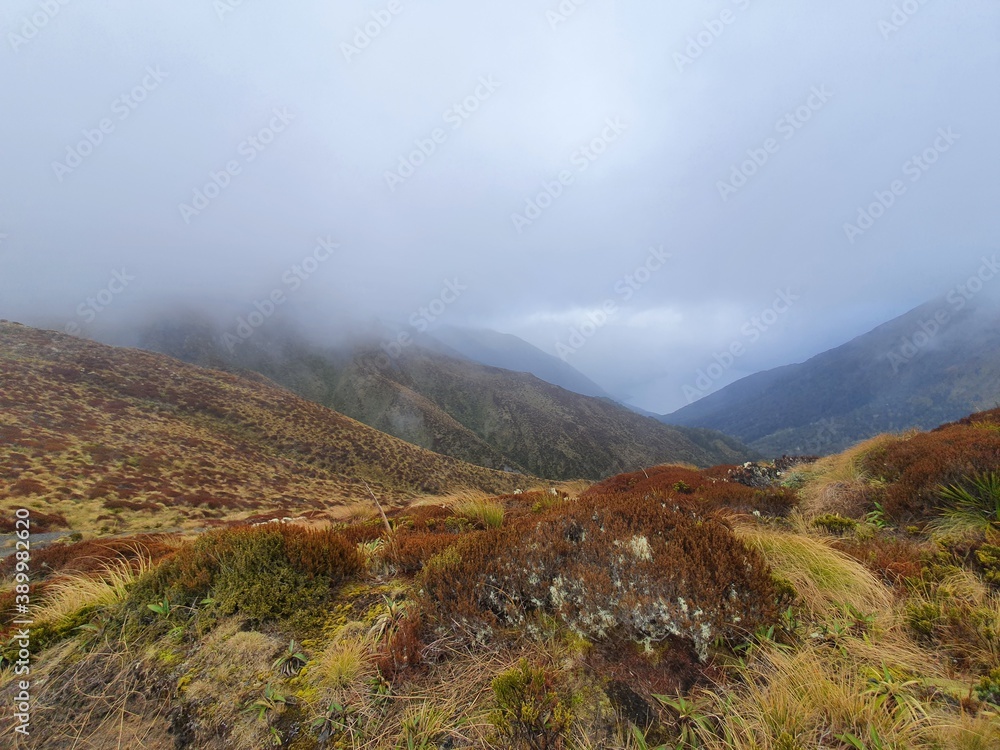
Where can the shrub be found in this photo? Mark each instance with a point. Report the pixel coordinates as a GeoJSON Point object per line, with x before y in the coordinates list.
{"type": "Point", "coordinates": [609, 564]}
{"type": "Point", "coordinates": [409, 551]}
{"type": "Point", "coordinates": [261, 572]}
{"type": "Point", "coordinates": [530, 713]}
{"type": "Point", "coordinates": [835, 523]}
{"type": "Point", "coordinates": [916, 468]}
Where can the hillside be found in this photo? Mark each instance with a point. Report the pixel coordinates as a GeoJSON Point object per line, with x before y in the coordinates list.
{"type": "Point", "coordinates": [512, 353]}
{"type": "Point", "coordinates": [106, 439]}
{"type": "Point", "coordinates": [847, 604]}
{"type": "Point", "coordinates": [933, 364]}
{"type": "Point", "coordinates": [483, 415]}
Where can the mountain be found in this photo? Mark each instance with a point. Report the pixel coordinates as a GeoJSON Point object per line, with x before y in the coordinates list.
{"type": "Point", "coordinates": [103, 438]}
{"type": "Point", "coordinates": [479, 414]}
{"type": "Point", "coordinates": [934, 364]}
{"type": "Point", "coordinates": [509, 352]}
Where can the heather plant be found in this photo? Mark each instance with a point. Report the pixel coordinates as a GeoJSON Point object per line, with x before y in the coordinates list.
{"type": "Point", "coordinates": [616, 565]}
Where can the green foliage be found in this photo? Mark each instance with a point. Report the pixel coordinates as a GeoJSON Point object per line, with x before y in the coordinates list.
{"type": "Point", "coordinates": [835, 523]}
{"type": "Point", "coordinates": [485, 514]}
{"type": "Point", "coordinates": [693, 720]}
{"type": "Point", "coordinates": [265, 707]}
{"type": "Point", "coordinates": [338, 719]}
{"type": "Point", "coordinates": [291, 661]}
{"type": "Point", "coordinates": [973, 505]}
{"type": "Point", "coordinates": [988, 556]}
{"type": "Point", "coordinates": [683, 488]}
{"type": "Point", "coordinates": [161, 608]}
{"type": "Point", "coordinates": [262, 572]}
{"type": "Point", "coordinates": [988, 689]}
{"type": "Point", "coordinates": [530, 713]}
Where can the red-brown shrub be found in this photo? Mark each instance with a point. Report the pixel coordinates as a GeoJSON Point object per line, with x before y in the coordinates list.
{"type": "Point", "coordinates": [410, 550]}
{"type": "Point", "coordinates": [893, 559]}
{"type": "Point", "coordinates": [916, 468]}
{"type": "Point", "coordinates": [619, 564]}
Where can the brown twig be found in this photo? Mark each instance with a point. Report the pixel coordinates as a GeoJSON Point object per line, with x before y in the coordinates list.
{"type": "Point", "coordinates": [378, 505]}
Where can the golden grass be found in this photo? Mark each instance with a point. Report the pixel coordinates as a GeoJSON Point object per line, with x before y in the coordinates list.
{"type": "Point", "coordinates": [822, 576]}
{"type": "Point", "coordinates": [489, 513]}
{"type": "Point", "coordinates": [68, 594]}
{"type": "Point", "coordinates": [838, 484]}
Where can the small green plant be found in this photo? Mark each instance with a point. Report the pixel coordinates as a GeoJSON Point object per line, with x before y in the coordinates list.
{"type": "Point", "coordinates": [691, 719]}
{"type": "Point", "coordinates": [642, 743]}
{"type": "Point", "coordinates": [291, 661]}
{"type": "Point", "coordinates": [894, 694]}
{"type": "Point", "coordinates": [874, 741]}
{"type": "Point", "coordinates": [161, 608]}
{"type": "Point", "coordinates": [683, 488]}
{"type": "Point", "coordinates": [974, 507]}
{"type": "Point", "coordinates": [422, 728]}
{"type": "Point", "coordinates": [264, 708]}
{"type": "Point", "coordinates": [336, 720]}
{"type": "Point", "coordinates": [529, 711]}
{"type": "Point", "coordinates": [877, 517]}
{"type": "Point", "coordinates": [389, 619]}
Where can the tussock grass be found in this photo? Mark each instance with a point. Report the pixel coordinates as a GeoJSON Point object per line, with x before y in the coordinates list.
{"type": "Point", "coordinates": [822, 576]}
{"type": "Point", "coordinates": [838, 484]}
{"type": "Point", "coordinates": [489, 513]}
{"type": "Point", "coordinates": [68, 594]}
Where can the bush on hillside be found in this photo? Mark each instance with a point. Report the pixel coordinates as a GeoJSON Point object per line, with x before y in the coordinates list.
{"type": "Point", "coordinates": [261, 572]}
{"type": "Point", "coordinates": [916, 469]}
{"type": "Point", "coordinates": [618, 565]}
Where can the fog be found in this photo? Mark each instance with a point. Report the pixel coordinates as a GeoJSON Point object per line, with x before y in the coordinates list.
{"type": "Point", "coordinates": [633, 186]}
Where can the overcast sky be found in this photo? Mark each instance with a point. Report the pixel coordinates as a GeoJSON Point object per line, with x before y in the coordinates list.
{"type": "Point", "coordinates": [515, 161]}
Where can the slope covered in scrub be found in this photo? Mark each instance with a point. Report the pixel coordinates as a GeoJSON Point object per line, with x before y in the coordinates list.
{"type": "Point", "coordinates": [103, 439]}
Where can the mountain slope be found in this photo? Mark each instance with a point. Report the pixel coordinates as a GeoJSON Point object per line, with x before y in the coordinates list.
{"type": "Point", "coordinates": [509, 352]}
{"type": "Point", "coordinates": [484, 415]}
{"type": "Point", "coordinates": [100, 434]}
{"type": "Point", "coordinates": [933, 364]}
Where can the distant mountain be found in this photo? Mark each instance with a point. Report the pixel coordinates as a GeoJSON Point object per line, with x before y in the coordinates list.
{"type": "Point", "coordinates": [509, 352]}
{"type": "Point", "coordinates": [934, 364]}
{"type": "Point", "coordinates": [484, 415]}
{"type": "Point", "coordinates": [109, 438]}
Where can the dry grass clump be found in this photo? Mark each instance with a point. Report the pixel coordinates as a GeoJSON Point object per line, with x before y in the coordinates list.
{"type": "Point", "coordinates": [822, 576]}
{"type": "Point", "coordinates": [844, 484]}
{"type": "Point", "coordinates": [66, 595]}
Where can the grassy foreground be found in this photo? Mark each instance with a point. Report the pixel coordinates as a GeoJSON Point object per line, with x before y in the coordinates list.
{"type": "Point", "coordinates": [854, 602]}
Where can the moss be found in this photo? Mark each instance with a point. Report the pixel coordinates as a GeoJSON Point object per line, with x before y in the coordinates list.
{"type": "Point", "coordinates": [835, 523]}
